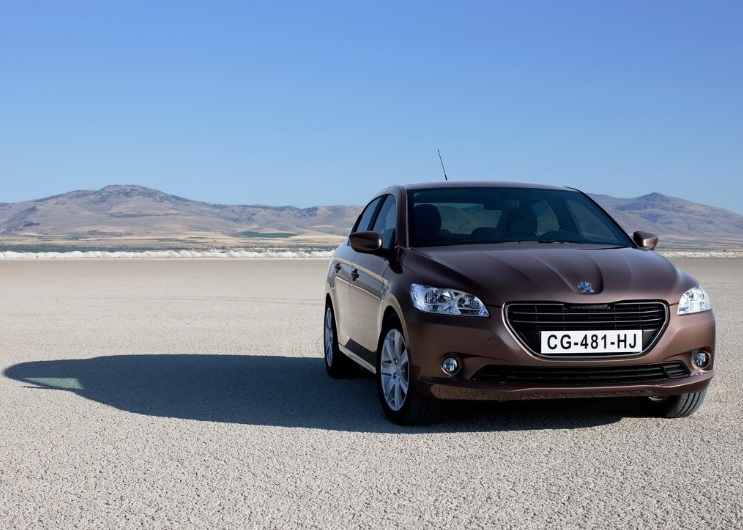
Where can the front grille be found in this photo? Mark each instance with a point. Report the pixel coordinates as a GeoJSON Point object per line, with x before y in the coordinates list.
{"type": "Point", "coordinates": [527, 320]}
{"type": "Point", "coordinates": [577, 376]}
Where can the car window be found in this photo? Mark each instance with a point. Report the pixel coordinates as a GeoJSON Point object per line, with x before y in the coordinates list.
{"type": "Point", "coordinates": [591, 225]}
{"type": "Point", "coordinates": [482, 215]}
{"type": "Point", "coordinates": [364, 221]}
{"type": "Point", "coordinates": [546, 217]}
{"type": "Point", "coordinates": [385, 223]}
{"type": "Point", "coordinates": [461, 218]}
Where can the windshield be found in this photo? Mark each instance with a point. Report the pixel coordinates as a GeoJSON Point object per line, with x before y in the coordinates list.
{"type": "Point", "coordinates": [478, 215]}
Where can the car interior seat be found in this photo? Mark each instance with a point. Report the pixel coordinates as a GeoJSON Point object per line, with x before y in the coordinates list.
{"type": "Point", "coordinates": [426, 224]}
{"type": "Point", "coordinates": [521, 223]}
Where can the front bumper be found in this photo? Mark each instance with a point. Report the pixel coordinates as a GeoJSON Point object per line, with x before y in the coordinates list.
{"type": "Point", "coordinates": [442, 388]}
{"type": "Point", "coordinates": [488, 344]}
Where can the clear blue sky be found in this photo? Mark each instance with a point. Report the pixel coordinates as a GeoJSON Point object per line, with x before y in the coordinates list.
{"type": "Point", "coordinates": [306, 103]}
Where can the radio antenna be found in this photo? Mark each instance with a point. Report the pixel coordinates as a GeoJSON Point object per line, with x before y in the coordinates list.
{"type": "Point", "coordinates": [442, 164]}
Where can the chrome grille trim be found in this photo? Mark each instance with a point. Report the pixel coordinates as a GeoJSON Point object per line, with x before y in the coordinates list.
{"type": "Point", "coordinates": [527, 319]}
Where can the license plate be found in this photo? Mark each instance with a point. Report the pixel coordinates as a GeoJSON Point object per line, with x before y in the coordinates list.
{"type": "Point", "coordinates": [581, 342]}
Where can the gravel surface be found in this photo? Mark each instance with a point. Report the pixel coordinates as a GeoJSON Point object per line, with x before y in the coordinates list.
{"type": "Point", "coordinates": [192, 394]}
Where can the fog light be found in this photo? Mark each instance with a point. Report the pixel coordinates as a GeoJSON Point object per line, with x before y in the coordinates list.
{"type": "Point", "coordinates": [700, 359]}
{"type": "Point", "coordinates": [450, 365]}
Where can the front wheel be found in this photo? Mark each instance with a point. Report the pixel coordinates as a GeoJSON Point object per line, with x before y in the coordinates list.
{"type": "Point", "coordinates": [401, 403]}
{"type": "Point", "coordinates": [678, 406]}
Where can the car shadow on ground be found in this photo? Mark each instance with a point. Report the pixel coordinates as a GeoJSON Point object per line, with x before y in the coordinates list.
{"type": "Point", "coordinates": [284, 391]}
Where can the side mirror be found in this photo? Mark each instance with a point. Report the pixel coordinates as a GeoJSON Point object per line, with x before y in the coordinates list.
{"type": "Point", "coordinates": [366, 242]}
{"type": "Point", "coordinates": [645, 240]}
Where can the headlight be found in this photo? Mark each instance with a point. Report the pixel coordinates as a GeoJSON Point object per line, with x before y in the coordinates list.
{"type": "Point", "coordinates": [446, 301]}
{"type": "Point", "coordinates": [695, 300]}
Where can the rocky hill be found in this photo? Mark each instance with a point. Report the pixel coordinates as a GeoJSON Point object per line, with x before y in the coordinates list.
{"type": "Point", "coordinates": [679, 223]}
{"type": "Point", "coordinates": [136, 216]}
{"type": "Point", "coordinates": [140, 217]}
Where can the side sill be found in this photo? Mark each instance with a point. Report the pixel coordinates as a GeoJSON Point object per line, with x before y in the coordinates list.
{"type": "Point", "coordinates": [357, 359]}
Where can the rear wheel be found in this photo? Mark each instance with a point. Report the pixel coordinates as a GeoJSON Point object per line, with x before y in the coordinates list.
{"type": "Point", "coordinates": [338, 365]}
{"type": "Point", "coordinates": [401, 403]}
{"type": "Point", "coordinates": [678, 406]}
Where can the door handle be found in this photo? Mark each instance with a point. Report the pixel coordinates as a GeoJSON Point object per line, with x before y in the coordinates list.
{"type": "Point", "coordinates": [337, 267]}
{"type": "Point", "coordinates": [355, 274]}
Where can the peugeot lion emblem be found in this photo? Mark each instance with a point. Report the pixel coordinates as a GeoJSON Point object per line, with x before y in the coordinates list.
{"type": "Point", "coordinates": [585, 288]}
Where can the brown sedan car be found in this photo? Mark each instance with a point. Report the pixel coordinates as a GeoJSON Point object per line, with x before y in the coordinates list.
{"type": "Point", "coordinates": [511, 291]}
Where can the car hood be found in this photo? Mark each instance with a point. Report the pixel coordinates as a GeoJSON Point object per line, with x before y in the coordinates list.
{"type": "Point", "coordinates": [503, 273]}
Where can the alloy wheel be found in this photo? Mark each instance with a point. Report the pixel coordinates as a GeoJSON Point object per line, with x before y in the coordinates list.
{"type": "Point", "coordinates": [394, 370]}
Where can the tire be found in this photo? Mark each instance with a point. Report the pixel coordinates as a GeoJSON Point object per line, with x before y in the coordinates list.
{"type": "Point", "coordinates": [678, 406]}
{"type": "Point", "coordinates": [400, 401]}
{"type": "Point", "coordinates": [337, 365]}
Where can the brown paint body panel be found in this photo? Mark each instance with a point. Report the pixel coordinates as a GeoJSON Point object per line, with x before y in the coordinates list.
{"type": "Point", "coordinates": [368, 287]}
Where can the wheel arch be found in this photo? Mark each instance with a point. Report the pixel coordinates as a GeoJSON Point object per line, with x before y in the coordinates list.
{"type": "Point", "coordinates": [389, 313]}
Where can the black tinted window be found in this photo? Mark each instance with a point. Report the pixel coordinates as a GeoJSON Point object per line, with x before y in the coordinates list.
{"type": "Point", "coordinates": [385, 223]}
{"type": "Point", "coordinates": [593, 226]}
{"type": "Point", "coordinates": [451, 216]}
{"type": "Point", "coordinates": [367, 216]}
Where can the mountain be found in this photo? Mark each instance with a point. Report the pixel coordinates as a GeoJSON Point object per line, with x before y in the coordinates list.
{"type": "Point", "coordinates": [136, 216]}
{"type": "Point", "coordinates": [679, 223]}
{"type": "Point", "coordinates": [140, 217]}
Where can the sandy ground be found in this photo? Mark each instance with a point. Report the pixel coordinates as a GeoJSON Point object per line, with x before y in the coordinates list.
{"type": "Point", "coordinates": [192, 394]}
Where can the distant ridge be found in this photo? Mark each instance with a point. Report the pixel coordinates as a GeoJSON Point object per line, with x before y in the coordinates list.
{"type": "Point", "coordinates": [680, 223]}
{"type": "Point", "coordinates": [129, 216]}
{"type": "Point", "coordinates": [123, 216]}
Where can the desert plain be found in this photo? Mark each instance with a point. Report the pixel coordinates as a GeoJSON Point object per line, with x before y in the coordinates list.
{"type": "Point", "coordinates": [192, 394]}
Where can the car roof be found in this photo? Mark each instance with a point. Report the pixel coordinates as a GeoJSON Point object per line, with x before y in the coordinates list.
{"type": "Point", "coordinates": [479, 184]}
{"type": "Point", "coordinates": [455, 184]}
